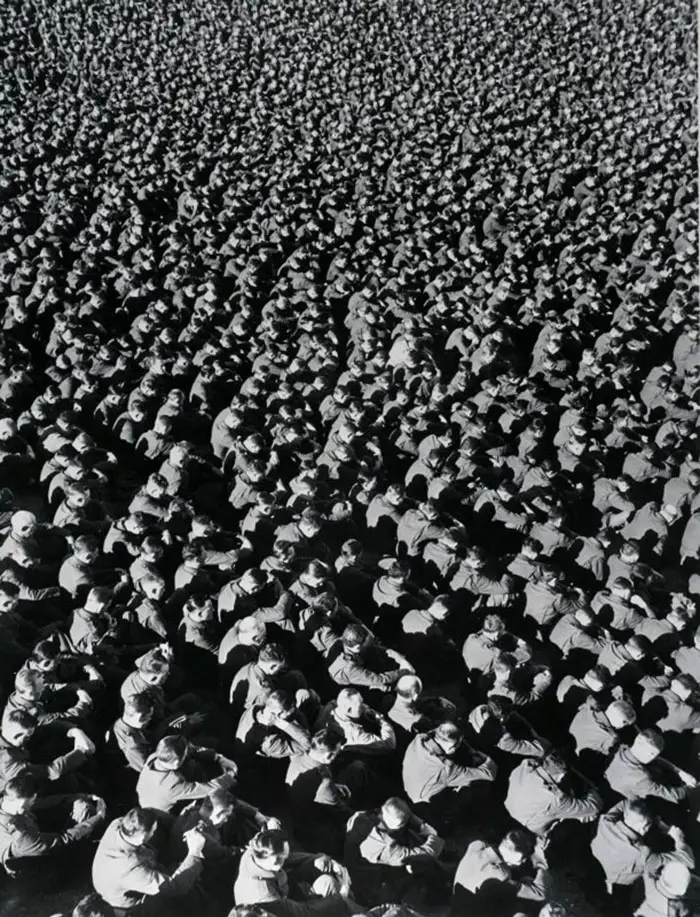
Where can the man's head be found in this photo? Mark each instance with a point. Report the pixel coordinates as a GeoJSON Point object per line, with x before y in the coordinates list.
{"type": "Point", "coordinates": [272, 659]}
{"type": "Point", "coordinates": [138, 826]}
{"type": "Point", "coordinates": [636, 815]}
{"type": "Point", "coordinates": [138, 710]}
{"type": "Point", "coordinates": [326, 745]}
{"type": "Point", "coordinates": [23, 524]}
{"type": "Point", "coordinates": [395, 814]}
{"type": "Point", "coordinates": [310, 523]}
{"type": "Point", "coordinates": [9, 597]}
{"type": "Point", "coordinates": [647, 746]}
{"type": "Point", "coordinates": [684, 686]}
{"type": "Point", "coordinates": [252, 581]}
{"type": "Point", "coordinates": [18, 727]}
{"type": "Point", "coordinates": [620, 714]}
{"type": "Point", "coordinates": [409, 688]}
{"type": "Point", "coordinates": [218, 806]}
{"type": "Point", "coordinates": [674, 879]}
{"type": "Point", "coordinates": [596, 678]}
{"type": "Point", "coordinates": [350, 704]}
{"type": "Point", "coordinates": [638, 647]}
{"type": "Point", "coordinates": [354, 639]}
{"type": "Point", "coordinates": [86, 549]}
{"type": "Point", "coordinates": [251, 632]}
{"type": "Point", "coordinates": [516, 847]}
{"type": "Point", "coordinates": [494, 626]}
{"type": "Point", "coordinates": [440, 608]}
{"type": "Point", "coordinates": [172, 752]}
{"type": "Point", "coordinates": [154, 670]}
{"type": "Point", "coordinates": [270, 849]}
{"type": "Point", "coordinates": [280, 705]}
{"type": "Point", "coordinates": [20, 794]}
{"type": "Point", "coordinates": [449, 737]}
{"type": "Point", "coordinates": [555, 766]}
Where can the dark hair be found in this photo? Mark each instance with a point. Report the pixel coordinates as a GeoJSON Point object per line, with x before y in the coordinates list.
{"type": "Point", "coordinates": [327, 740]}
{"type": "Point", "coordinates": [521, 840]}
{"type": "Point", "coordinates": [172, 749]}
{"type": "Point", "coordinates": [140, 703]}
{"type": "Point", "coordinates": [137, 821]}
{"type": "Point", "coordinates": [269, 842]}
{"type": "Point", "coordinates": [10, 590]}
{"type": "Point", "coordinates": [272, 652]}
{"type": "Point", "coordinates": [23, 786]}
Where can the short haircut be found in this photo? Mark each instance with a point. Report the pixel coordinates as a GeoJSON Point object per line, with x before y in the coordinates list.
{"type": "Point", "coordinates": [137, 821]}
{"type": "Point", "coordinates": [521, 840]}
{"type": "Point", "coordinates": [172, 750]}
{"type": "Point", "coordinates": [140, 703]}
{"type": "Point", "coordinates": [270, 842]}
{"type": "Point", "coordinates": [23, 786]}
{"type": "Point", "coordinates": [22, 718]}
{"type": "Point", "coordinates": [327, 740]}
{"type": "Point", "coordinates": [273, 652]}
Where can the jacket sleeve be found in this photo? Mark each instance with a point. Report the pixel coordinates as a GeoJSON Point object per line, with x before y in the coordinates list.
{"type": "Point", "coordinates": [65, 763]}
{"type": "Point", "coordinates": [148, 880]}
{"type": "Point", "coordinates": [457, 775]}
{"type": "Point", "coordinates": [34, 843]}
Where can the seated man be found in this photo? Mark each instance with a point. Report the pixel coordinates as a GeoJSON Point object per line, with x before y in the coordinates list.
{"type": "Point", "coordinates": [357, 660]}
{"type": "Point", "coordinates": [631, 842]}
{"type": "Point", "coordinates": [391, 854]}
{"type": "Point", "coordinates": [270, 672]}
{"type": "Point", "coordinates": [497, 881]}
{"type": "Point", "coordinates": [274, 729]}
{"type": "Point", "coordinates": [637, 771]}
{"type": "Point", "coordinates": [269, 873]}
{"type": "Point", "coordinates": [411, 710]}
{"type": "Point", "coordinates": [318, 801]}
{"type": "Point", "coordinates": [542, 792]}
{"type": "Point", "coordinates": [126, 871]}
{"type": "Point", "coordinates": [21, 837]}
{"type": "Point", "coordinates": [440, 771]}
{"type": "Point", "coordinates": [17, 730]}
{"type": "Point", "coordinates": [178, 771]}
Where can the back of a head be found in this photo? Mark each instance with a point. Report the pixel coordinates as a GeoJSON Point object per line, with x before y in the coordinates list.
{"type": "Point", "coordinates": [23, 786]}
{"type": "Point", "coordinates": [137, 822]}
{"type": "Point", "coordinates": [273, 652]}
{"type": "Point", "coordinates": [172, 750]}
{"type": "Point", "coordinates": [141, 704]}
{"type": "Point", "coordinates": [269, 842]}
{"type": "Point", "coordinates": [327, 741]}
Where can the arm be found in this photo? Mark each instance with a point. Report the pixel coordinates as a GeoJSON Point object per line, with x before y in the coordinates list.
{"type": "Point", "coordinates": [32, 842]}
{"type": "Point", "coordinates": [457, 775]}
{"type": "Point", "coordinates": [149, 880]}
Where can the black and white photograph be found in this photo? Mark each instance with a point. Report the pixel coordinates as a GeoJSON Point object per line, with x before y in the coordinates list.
{"type": "Point", "coordinates": [349, 458]}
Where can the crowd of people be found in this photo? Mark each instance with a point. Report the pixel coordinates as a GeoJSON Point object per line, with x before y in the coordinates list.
{"type": "Point", "coordinates": [349, 455]}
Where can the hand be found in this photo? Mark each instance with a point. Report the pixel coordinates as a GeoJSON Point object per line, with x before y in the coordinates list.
{"type": "Point", "coordinates": [324, 864]}
{"type": "Point", "coordinates": [195, 840]}
{"type": "Point", "coordinates": [82, 810]}
{"type": "Point", "coordinates": [228, 766]}
{"type": "Point", "coordinates": [83, 697]}
{"type": "Point", "coordinates": [166, 651]}
{"type": "Point", "coordinates": [92, 673]}
{"type": "Point", "coordinates": [81, 742]}
{"type": "Point", "coordinates": [302, 695]}
{"type": "Point", "coordinates": [688, 779]}
{"type": "Point", "coordinates": [273, 824]}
